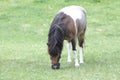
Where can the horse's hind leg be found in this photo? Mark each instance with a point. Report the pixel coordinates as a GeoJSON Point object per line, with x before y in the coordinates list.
{"type": "Point", "coordinates": [69, 56]}
{"type": "Point", "coordinates": [75, 53]}
{"type": "Point", "coordinates": [81, 41]}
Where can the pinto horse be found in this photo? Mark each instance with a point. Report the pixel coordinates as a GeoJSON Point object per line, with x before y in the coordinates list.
{"type": "Point", "coordinates": [69, 24]}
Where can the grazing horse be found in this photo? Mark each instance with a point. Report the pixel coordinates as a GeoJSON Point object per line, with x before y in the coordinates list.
{"type": "Point", "coordinates": [69, 24]}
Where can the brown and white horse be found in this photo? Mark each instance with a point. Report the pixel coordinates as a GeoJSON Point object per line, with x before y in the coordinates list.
{"type": "Point", "coordinates": [69, 24]}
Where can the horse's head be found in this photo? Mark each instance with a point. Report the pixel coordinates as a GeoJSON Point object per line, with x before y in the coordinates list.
{"type": "Point", "coordinates": [55, 45]}
{"type": "Point", "coordinates": [55, 40]}
{"type": "Point", "coordinates": [55, 53]}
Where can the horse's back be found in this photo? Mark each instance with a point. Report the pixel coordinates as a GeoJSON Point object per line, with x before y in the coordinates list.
{"type": "Point", "coordinates": [75, 12]}
{"type": "Point", "coordinates": [78, 14]}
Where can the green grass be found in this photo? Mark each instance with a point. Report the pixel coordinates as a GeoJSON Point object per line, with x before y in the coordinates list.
{"type": "Point", "coordinates": [24, 26]}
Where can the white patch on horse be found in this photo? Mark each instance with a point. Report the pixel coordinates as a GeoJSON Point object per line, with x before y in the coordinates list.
{"type": "Point", "coordinates": [76, 59]}
{"type": "Point", "coordinates": [69, 56]}
{"type": "Point", "coordinates": [81, 55]}
{"type": "Point", "coordinates": [75, 12]}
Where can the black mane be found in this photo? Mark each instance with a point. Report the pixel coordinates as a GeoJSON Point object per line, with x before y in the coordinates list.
{"type": "Point", "coordinates": [56, 36]}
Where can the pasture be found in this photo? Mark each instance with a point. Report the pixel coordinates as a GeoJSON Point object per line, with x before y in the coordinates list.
{"type": "Point", "coordinates": [24, 26]}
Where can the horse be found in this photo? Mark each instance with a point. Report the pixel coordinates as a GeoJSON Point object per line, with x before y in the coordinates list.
{"type": "Point", "coordinates": [68, 24]}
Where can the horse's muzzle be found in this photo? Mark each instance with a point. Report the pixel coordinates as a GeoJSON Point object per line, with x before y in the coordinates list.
{"type": "Point", "coordinates": [56, 66]}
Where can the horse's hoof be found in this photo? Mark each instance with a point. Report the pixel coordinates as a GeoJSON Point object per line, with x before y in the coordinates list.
{"type": "Point", "coordinates": [56, 66]}
{"type": "Point", "coordinates": [69, 61]}
{"type": "Point", "coordinates": [81, 62]}
{"type": "Point", "coordinates": [77, 65]}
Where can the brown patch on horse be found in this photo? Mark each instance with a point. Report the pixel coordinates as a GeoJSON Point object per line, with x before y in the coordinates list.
{"type": "Point", "coordinates": [55, 59]}
{"type": "Point", "coordinates": [70, 30]}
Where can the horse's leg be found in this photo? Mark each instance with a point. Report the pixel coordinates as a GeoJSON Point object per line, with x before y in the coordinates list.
{"type": "Point", "coordinates": [69, 56]}
{"type": "Point", "coordinates": [81, 41]}
{"type": "Point", "coordinates": [75, 53]}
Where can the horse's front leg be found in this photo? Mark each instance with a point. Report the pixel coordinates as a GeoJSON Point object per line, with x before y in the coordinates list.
{"type": "Point", "coordinates": [75, 52]}
{"type": "Point", "coordinates": [69, 56]}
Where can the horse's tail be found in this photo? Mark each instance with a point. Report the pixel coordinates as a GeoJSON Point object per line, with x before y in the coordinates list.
{"type": "Point", "coordinates": [81, 25]}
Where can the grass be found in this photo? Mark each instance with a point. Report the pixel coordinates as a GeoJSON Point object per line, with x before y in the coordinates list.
{"type": "Point", "coordinates": [24, 26]}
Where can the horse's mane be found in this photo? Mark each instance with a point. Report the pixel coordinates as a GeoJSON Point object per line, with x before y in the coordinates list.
{"type": "Point", "coordinates": [56, 35]}
{"type": "Point", "coordinates": [55, 40]}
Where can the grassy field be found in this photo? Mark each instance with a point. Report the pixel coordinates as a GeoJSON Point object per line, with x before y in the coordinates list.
{"type": "Point", "coordinates": [24, 26]}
